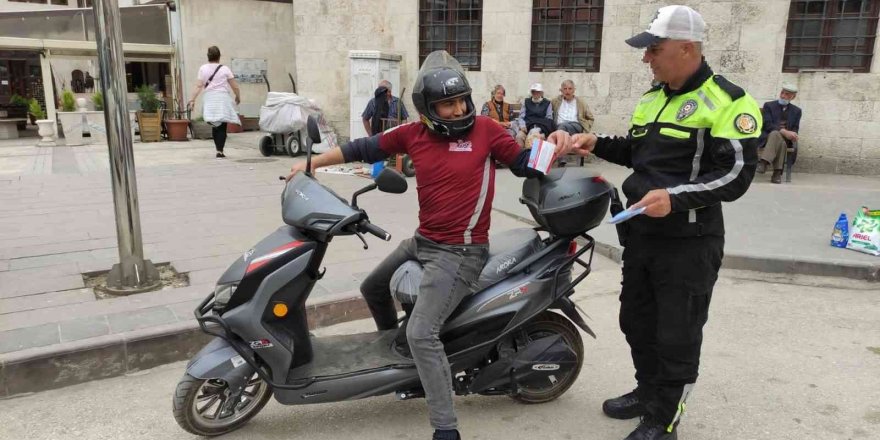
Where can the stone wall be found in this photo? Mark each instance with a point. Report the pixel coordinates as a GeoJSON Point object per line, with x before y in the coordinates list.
{"type": "Point", "coordinates": [840, 130]}
{"type": "Point", "coordinates": [241, 29]}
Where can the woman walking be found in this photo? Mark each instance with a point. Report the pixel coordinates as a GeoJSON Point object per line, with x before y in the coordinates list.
{"type": "Point", "coordinates": [217, 81]}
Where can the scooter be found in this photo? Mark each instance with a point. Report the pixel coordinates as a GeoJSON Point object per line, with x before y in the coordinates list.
{"type": "Point", "coordinates": [516, 336]}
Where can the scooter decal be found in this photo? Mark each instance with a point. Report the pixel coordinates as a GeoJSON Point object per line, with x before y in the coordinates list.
{"type": "Point", "coordinates": [263, 260]}
{"type": "Point", "coordinates": [261, 343]}
{"type": "Point", "coordinates": [545, 367]}
{"type": "Point", "coordinates": [237, 361]}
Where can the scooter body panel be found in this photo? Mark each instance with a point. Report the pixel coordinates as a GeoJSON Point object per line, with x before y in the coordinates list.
{"type": "Point", "coordinates": [249, 321]}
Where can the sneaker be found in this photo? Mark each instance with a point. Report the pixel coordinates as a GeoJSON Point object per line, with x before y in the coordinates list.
{"type": "Point", "coordinates": [648, 429]}
{"type": "Point", "coordinates": [220, 154]}
{"type": "Point", "coordinates": [627, 406]}
{"type": "Point", "coordinates": [762, 166]}
{"type": "Point", "coordinates": [776, 177]}
{"type": "Point", "coordinates": [446, 434]}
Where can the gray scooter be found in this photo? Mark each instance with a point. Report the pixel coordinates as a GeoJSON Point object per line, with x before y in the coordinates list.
{"type": "Point", "coordinates": [516, 336]}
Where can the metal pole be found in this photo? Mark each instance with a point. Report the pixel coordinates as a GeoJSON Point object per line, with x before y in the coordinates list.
{"type": "Point", "coordinates": [132, 274]}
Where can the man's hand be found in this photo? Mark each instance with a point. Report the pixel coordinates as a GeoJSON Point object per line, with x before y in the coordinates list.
{"type": "Point", "coordinates": [788, 134]}
{"type": "Point", "coordinates": [562, 140]}
{"type": "Point", "coordinates": [298, 166]}
{"type": "Point", "coordinates": [583, 143]}
{"type": "Point", "coordinates": [656, 203]}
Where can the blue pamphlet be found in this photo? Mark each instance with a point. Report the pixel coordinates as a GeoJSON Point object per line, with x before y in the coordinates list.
{"type": "Point", "coordinates": [625, 215]}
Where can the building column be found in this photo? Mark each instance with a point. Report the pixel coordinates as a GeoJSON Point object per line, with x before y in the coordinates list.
{"type": "Point", "coordinates": [48, 88]}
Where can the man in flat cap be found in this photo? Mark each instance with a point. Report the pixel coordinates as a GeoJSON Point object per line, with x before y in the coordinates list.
{"type": "Point", "coordinates": [782, 120]}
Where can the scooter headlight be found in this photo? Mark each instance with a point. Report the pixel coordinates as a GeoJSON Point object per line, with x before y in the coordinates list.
{"type": "Point", "coordinates": [222, 293]}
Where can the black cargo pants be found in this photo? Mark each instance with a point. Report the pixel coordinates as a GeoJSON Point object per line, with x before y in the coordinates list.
{"type": "Point", "coordinates": [664, 303]}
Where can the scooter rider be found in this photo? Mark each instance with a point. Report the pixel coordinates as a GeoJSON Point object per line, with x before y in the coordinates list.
{"type": "Point", "coordinates": [453, 151]}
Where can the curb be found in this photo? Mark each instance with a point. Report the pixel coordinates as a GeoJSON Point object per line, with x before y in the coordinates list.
{"type": "Point", "coordinates": [863, 272]}
{"type": "Point", "coordinates": [70, 363]}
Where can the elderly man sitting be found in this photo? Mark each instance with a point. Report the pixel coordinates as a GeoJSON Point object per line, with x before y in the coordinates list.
{"type": "Point", "coordinates": [570, 112]}
{"type": "Point", "coordinates": [782, 121]}
{"type": "Point", "coordinates": [536, 112]}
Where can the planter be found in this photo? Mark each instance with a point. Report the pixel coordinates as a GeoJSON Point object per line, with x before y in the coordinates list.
{"type": "Point", "coordinates": [72, 125]}
{"type": "Point", "coordinates": [47, 131]}
{"type": "Point", "coordinates": [177, 129]}
{"type": "Point", "coordinates": [150, 125]}
{"type": "Point", "coordinates": [97, 126]}
{"type": "Point", "coordinates": [250, 124]}
{"type": "Point", "coordinates": [234, 128]}
{"type": "Point", "coordinates": [18, 112]}
{"type": "Point", "coordinates": [201, 130]}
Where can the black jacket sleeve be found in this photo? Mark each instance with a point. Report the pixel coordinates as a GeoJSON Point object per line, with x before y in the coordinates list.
{"type": "Point", "coordinates": [734, 162]}
{"type": "Point", "coordinates": [520, 166]}
{"type": "Point", "coordinates": [615, 150]}
{"type": "Point", "coordinates": [364, 149]}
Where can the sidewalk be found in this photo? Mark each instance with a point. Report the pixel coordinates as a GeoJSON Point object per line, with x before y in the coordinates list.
{"type": "Point", "coordinates": [200, 213]}
{"type": "Point", "coordinates": [772, 228]}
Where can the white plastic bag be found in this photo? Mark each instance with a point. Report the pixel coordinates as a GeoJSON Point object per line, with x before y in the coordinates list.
{"type": "Point", "coordinates": [864, 235]}
{"type": "Point", "coordinates": [282, 113]}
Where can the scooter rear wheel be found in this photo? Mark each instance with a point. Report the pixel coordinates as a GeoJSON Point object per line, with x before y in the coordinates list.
{"type": "Point", "coordinates": [198, 404]}
{"type": "Point", "coordinates": [550, 324]}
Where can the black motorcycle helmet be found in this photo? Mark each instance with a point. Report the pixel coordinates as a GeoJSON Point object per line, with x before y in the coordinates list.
{"type": "Point", "coordinates": [441, 77]}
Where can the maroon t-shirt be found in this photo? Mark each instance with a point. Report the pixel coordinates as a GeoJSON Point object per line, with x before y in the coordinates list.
{"type": "Point", "coordinates": [455, 177]}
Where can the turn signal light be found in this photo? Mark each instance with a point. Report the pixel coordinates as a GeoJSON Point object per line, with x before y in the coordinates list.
{"type": "Point", "coordinates": [279, 310]}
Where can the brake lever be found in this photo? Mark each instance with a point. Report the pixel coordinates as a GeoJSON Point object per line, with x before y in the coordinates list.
{"type": "Point", "coordinates": [361, 236]}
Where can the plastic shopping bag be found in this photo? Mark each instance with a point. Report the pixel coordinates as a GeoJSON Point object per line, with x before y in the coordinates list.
{"type": "Point", "coordinates": [864, 235]}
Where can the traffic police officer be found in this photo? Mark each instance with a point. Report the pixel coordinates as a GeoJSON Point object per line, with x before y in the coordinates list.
{"type": "Point", "coordinates": [691, 145]}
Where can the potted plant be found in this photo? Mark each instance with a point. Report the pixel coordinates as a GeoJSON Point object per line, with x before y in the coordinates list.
{"type": "Point", "coordinates": [150, 116]}
{"type": "Point", "coordinates": [177, 124]}
{"type": "Point", "coordinates": [70, 119]}
{"type": "Point", "coordinates": [46, 126]}
{"type": "Point", "coordinates": [96, 122]}
{"type": "Point", "coordinates": [18, 109]}
{"type": "Point", "coordinates": [201, 129]}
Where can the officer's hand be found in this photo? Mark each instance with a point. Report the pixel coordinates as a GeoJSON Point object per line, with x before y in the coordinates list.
{"type": "Point", "coordinates": [562, 140]}
{"type": "Point", "coordinates": [583, 143]}
{"type": "Point", "coordinates": [298, 166]}
{"type": "Point", "coordinates": [656, 203]}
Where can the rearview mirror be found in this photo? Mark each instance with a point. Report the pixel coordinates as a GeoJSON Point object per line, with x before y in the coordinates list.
{"type": "Point", "coordinates": [391, 181]}
{"type": "Point", "coordinates": [312, 128]}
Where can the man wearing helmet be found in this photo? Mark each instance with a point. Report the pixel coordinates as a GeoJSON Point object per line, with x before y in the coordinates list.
{"type": "Point", "coordinates": [453, 151]}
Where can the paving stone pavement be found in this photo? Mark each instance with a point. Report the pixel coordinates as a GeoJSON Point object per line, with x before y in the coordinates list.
{"type": "Point", "coordinates": [200, 213]}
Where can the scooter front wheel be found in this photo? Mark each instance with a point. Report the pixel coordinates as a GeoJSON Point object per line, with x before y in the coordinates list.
{"type": "Point", "coordinates": [551, 324]}
{"type": "Point", "coordinates": [203, 406]}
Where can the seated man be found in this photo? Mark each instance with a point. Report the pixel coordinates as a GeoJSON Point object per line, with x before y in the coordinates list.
{"type": "Point", "coordinates": [536, 112]}
{"type": "Point", "coordinates": [570, 112]}
{"type": "Point", "coordinates": [499, 110]}
{"type": "Point", "coordinates": [782, 120]}
{"type": "Point", "coordinates": [391, 108]}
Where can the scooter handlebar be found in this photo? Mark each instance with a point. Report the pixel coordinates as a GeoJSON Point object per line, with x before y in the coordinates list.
{"type": "Point", "coordinates": [366, 226]}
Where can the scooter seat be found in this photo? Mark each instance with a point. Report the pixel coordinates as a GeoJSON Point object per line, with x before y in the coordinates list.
{"type": "Point", "coordinates": [506, 250]}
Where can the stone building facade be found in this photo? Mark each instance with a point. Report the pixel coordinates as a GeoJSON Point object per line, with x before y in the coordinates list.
{"type": "Point", "coordinates": [840, 130]}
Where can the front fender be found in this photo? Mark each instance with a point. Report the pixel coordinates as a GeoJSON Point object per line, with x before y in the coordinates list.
{"type": "Point", "coordinates": [218, 360]}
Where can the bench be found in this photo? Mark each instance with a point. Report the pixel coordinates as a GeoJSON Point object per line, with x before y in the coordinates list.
{"type": "Point", "coordinates": [790, 157]}
{"type": "Point", "coordinates": [9, 128]}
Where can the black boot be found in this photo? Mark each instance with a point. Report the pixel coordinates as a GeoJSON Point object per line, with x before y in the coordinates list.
{"type": "Point", "coordinates": [776, 177]}
{"type": "Point", "coordinates": [446, 434]}
{"type": "Point", "coordinates": [648, 429]}
{"type": "Point", "coordinates": [627, 406]}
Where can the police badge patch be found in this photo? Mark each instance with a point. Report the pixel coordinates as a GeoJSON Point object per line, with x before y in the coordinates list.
{"type": "Point", "coordinates": [686, 109]}
{"type": "Point", "coordinates": [745, 123]}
